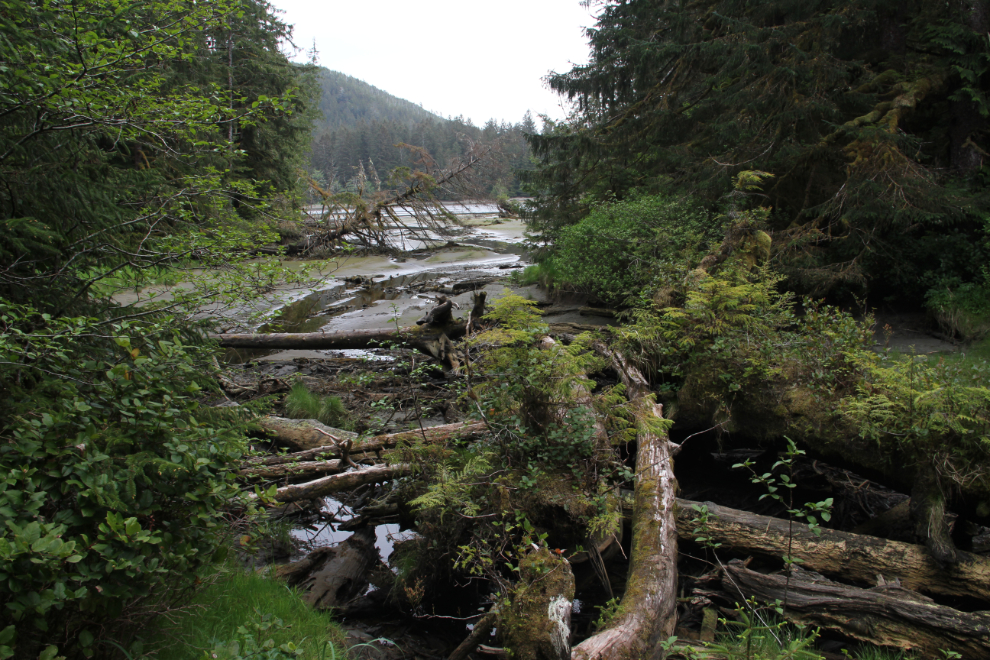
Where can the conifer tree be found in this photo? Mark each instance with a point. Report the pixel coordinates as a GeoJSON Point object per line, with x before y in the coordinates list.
{"type": "Point", "coordinates": [871, 114]}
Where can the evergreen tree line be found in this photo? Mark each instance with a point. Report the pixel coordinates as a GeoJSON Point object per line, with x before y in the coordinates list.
{"type": "Point", "coordinates": [360, 134]}
{"type": "Point", "coordinates": [345, 100]}
{"type": "Point", "coordinates": [868, 121]}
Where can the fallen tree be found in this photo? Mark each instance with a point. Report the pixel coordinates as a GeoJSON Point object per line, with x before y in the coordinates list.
{"type": "Point", "coordinates": [852, 557]}
{"type": "Point", "coordinates": [336, 483]}
{"type": "Point", "coordinates": [310, 437]}
{"type": "Point", "coordinates": [886, 615]}
{"type": "Point", "coordinates": [647, 612]}
{"type": "Point", "coordinates": [418, 337]}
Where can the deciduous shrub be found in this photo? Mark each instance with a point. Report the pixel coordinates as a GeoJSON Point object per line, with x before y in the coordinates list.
{"type": "Point", "coordinates": [114, 488]}
{"type": "Point", "coordinates": [621, 247]}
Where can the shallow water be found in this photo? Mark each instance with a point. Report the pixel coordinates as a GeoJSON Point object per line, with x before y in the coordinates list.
{"type": "Point", "coordinates": [386, 536]}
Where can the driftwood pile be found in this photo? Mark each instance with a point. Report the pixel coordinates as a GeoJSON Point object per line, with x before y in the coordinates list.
{"type": "Point", "coordinates": [867, 588]}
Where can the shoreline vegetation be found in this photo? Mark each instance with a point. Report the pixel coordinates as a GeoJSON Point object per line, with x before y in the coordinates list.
{"type": "Point", "coordinates": [690, 427]}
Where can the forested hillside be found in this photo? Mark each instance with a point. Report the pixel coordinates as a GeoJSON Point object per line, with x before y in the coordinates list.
{"type": "Point", "coordinates": [362, 128]}
{"type": "Point", "coordinates": [345, 100]}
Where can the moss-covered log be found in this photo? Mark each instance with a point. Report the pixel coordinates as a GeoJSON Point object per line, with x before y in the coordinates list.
{"type": "Point", "coordinates": [536, 623]}
{"type": "Point", "coordinates": [308, 436]}
{"type": "Point", "coordinates": [293, 471]}
{"type": "Point", "coordinates": [647, 612]}
{"type": "Point", "coordinates": [852, 557]}
{"type": "Point", "coordinates": [886, 615]}
{"type": "Point", "coordinates": [482, 630]}
{"type": "Point", "coordinates": [336, 483]}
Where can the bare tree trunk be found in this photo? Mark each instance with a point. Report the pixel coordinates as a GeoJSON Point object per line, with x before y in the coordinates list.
{"type": "Point", "coordinates": [305, 434]}
{"type": "Point", "coordinates": [481, 631]}
{"type": "Point", "coordinates": [851, 557]}
{"type": "Point", "coordinates": [335, 483]}
{"type": "Point", "coordinates": [647, 612]}
{"type": "Point", "coordinates": [887, 615]}
{"type": "Point", "coordinates": [293, 471]}
{"type": "Point", "coordinates": [409, 337]}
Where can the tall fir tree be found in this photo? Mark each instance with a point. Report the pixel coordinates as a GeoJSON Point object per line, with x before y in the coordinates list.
{"type": "Point", "coordinates": [871, 115]}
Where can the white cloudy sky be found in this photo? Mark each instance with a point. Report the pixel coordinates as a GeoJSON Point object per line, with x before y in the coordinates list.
{"type": "Point", "coordinates": [478, 59]}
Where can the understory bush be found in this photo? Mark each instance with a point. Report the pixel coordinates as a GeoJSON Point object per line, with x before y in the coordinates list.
{"type": "Point", "coordinates": [115, 481]}
{"type": "Point", "coordinates": [621, 247]}
{"type": "Point", "coordinates": [961, 309]}
{"type": "Point", "coordinates": [301, 403]}
{"type": "Point", "coordinates": [245, 614]}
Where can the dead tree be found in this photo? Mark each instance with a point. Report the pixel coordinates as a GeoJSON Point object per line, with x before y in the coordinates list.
{"type": "Point", "coordinates": [648, 607]}
{"type": "Point", "coordinates": [886, 615]}
{"type": "Point", "coordinates": [412, 210]}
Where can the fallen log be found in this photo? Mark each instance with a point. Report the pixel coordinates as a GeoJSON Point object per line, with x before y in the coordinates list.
{"type": "Point", "coordinates": [415, 337]}
{"type": "Point", "coordinates": [851, 557]}
{"type": "Point", "coordinates": [302, 434]}
{"type": "Point", "coordinates": [300, 470]}
{"type": "Point", "coordinates": [310, 437]}
{"type": "Point", "coordinates": [535, 622]}
{"type": "Point", "coordinates": [335, 483]}
{"type": "Point", "coordinates": [647, 612]}
{"type": "Point", "coordinates": [409, 337]}
{"type": "Point", "coordinates": [886, 615]}
{"type": "Point", "coordinates": [481, 632]}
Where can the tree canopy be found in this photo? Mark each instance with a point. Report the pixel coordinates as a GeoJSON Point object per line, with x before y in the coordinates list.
{"type": "Point", "coordinates": [871, 116]}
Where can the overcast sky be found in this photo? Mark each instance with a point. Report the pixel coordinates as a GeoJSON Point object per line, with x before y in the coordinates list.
{"type": "Point", "coordinates": [456, 57]}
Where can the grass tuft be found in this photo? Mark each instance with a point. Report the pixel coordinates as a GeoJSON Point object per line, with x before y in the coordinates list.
{"type": "Point", "coordinates": [234, 600]}
{"type": "Point", "coordinates": [300, 403]}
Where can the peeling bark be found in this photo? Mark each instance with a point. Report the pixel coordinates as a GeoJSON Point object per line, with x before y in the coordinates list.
{"type": "Point", "coordinates": [335, 483]}
{"type": "Point", "coordinates": [305, 435]}
{"type": "Point", "coordinates": [851, 557]}
{"type": "Point", "coordinates": [887, 615]}
{"type": "Point", "coordinates": [647, 612]}
{"type": "Point", "coordinates": [302, 434]}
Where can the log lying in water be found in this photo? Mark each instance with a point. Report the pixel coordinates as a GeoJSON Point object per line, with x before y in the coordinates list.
{"type": "Point", "coordinates": [416, 337]}
{"type": "Point", "coordinates": [647, 612]}
{"type": "Point", "coordinates": [887, 615]}
{"type": "Point", "coordinates": [851, 557]}
{"type": "Point", "coordinates": [310, 438]}
{"type": "Point", "coordinates": [332, 577]}
{"type": "Point", "coordinates": [335, 483]}
{"type": "Point", "coordinates": [411, 337]}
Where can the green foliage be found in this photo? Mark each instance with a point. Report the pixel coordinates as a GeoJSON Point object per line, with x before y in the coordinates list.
{"type": "Point", "coordinates": [530, 388]}
{"type": "Point", "coordinates": [248, 644]}
{"type": "Point", "coordinates": [300, 403]}
{"type": "Point", "coordinates": [926, 412]}
{"type": "Point", "coordinates": [114, 480]}
{"type": "Point", "coordinates": [244, 607]}
{"type": "Point", "coordinates": [165, 162]}
{"type": "Point", "coordinates": [962, 309]}
{"type": "Point", "coordinates": [871, 116]}
{"type": "Point", "coordinates": [756, 634]}
{"type": "Point", "coordinates": [725, 330]}
{"type": "Point", "coordinates": [622, 247]}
